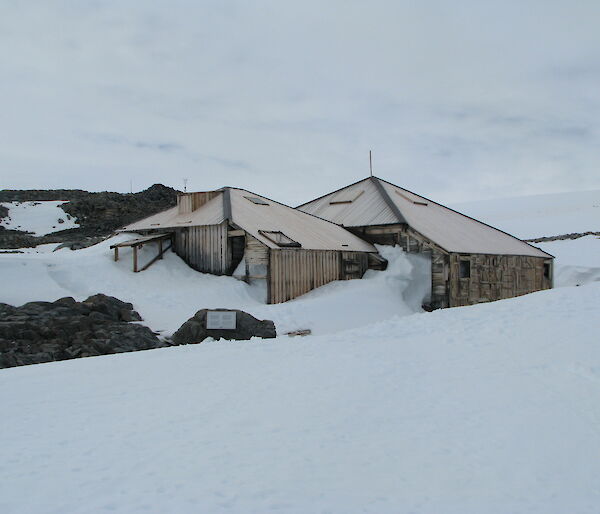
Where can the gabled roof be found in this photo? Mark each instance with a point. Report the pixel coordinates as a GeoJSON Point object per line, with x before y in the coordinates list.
{"type": "Point", "coordinates": [374, 201]}
{"type": "Point", "coordinates": [258, 215]}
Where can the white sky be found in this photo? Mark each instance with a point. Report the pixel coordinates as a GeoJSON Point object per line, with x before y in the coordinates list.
{"type": "Point", "coordinates": [458, 100]}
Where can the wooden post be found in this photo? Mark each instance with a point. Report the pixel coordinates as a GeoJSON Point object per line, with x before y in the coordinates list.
{"type": "Point", "coordinates": [135, 259]}
{"type": "Point", "coordinates": [160, 248]}
{"type": "Point", "coordinates": [116, 253]}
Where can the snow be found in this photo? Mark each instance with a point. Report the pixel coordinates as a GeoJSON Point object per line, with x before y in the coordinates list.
{"type": "Point", "coordinates": [577, 260]}
{"type": "Point", "coordinates": [529, 217]}
{"type": "Point", "coordinates": [492, 408]}
{"type": "Point", "coordinates": [169, 292]}
{"type": "Point", "coordinates": [40, 218]}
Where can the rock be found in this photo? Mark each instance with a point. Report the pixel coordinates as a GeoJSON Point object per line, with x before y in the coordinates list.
{"type": "Point", "coordinates": [66, 329]}
{"type": "Point", "coordinates": [80, 244]}
{"type": "Point", "coordinates": [98, 214]}
{"type": "Point", "coordinates": [194, 330]}
{"type": "Point", "coordinates": [302, 332]}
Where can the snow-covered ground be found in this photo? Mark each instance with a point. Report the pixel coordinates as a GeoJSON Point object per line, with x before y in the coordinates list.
{"type": "Point", "coordinates": [493, 408]}
{"type": "Point", "coordinates": [40, 218]}
{"type": "Point", "coordinates": [529, 217]}
{"type": "Point", "coordinates": [577, 261]}
{"type": "Point", "coordinates": [169, 292]}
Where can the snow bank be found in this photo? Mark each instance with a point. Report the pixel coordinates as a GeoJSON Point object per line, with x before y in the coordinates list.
{"type": "Point", "coordinates": [577, 260]}
{"type": "Point", "coordinates": [40, 218]}
{"type": "Point", "coordinates": [169, 292]}
{"type": "Point", "coordinates": [492, 408]}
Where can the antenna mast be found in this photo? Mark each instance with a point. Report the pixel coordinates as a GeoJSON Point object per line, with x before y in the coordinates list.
{"type": "Point", "coordinates": [370, 163]}
{"type": "Point", "coordinates": [185, 181]}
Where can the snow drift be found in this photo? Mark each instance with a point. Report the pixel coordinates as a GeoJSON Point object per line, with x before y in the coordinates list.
{"type": "Point", "coordinates": [40, 218]}
{"type": "Point", "coordinates": [492, 408]}
{"type": "Point", "coordinates": [169, 292]}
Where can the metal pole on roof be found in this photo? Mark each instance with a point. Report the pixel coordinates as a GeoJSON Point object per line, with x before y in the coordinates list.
{"type": "Point", "coordinates": [370, 163]}
{"type": "Point", "coordinates": [185, 181]}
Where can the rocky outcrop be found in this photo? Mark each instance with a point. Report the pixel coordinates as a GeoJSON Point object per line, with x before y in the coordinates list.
{"type": "Point", "coordinates": [562, 237]}
{"type": "Point", "coordinates": [98, 214]}
{"type": "Point", "coordinates": [195, 330]}
{"type": "Point", "coordinates": [65, 329]}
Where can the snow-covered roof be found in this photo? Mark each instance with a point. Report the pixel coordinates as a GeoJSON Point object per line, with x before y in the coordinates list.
{"type": "Point", "coordinates": [258, 215]}
{"type": "Point", "coordinates": [374, 201]}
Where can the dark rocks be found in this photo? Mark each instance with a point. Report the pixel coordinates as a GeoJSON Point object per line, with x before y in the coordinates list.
{"type": "Point", "coordinates": [194, 330]}
{"type": "Point", "coordinates": [80, 244]}
{"type": "Point", "coordinates": [562, 237]}
{"type": "Point", "coordinates": [66, 329]}
{"type": "Point", "coordinates": [98, 214]}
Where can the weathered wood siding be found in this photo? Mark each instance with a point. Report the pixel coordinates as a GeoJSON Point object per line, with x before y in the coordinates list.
{"type": "Point", "coordinates": [189, 202]}
{"type": "Point", "coordinates": [257, 259]}
{"type": "Point", "coordinates": [295, 272]}
{"type": "Point", "coordinates": [440, 294]}
{"type": "Point", "coordinates": [494, 277]}
{"type": "Point", "coordinates": [204, 248]}
{"type": "Point", "coordinates": [354, 265]}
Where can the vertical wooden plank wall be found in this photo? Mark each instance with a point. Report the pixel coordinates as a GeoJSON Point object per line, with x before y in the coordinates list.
{"type": "Point", "coordinates": [439, 280]}
{"type": "Point", "coordinates": [204, 248]}
{"type": "Point", "coordinates": [354, 265]}
{"type": "Point", "coordinates": [296, 272]}
{"type": "Point", "coordinates": [189, 202]}
{"type": "Point", "coordinates": [257, 259]}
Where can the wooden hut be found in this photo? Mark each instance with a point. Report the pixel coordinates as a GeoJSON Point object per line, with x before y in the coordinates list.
{"type": "Point", "coordinates": [235, 231]}
{"type": "Point", "coordinates": [471, 262]}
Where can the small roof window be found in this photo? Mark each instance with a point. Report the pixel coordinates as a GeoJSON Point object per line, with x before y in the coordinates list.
{"type": "Point", "coordinates": [256, 200]}
{"type": "Point", "coordinates": [280, 239]}
{"type": "Point", "coordinates": [416, 202]}
{"type": "Point", "coordinates": [345, 197]}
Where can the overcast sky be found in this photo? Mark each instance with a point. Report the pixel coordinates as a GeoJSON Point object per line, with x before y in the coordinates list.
{"type": "Point", "coordinates": [458, 100]}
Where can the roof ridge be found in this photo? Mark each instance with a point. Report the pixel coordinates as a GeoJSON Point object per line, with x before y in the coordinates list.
{"type": "Point", "coordinates": [388, 200]}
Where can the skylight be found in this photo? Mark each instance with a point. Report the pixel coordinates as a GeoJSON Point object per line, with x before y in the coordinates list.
{"type": "Point", "coordinates": [345, 197]}
{"type": "Point", "coordinates": [280, 239]}
{"type": "Point", "coordinates": [256, 200]}
{"type": "Point", "coordinates": [416, 202]}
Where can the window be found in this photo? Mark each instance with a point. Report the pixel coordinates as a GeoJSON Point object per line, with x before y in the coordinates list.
{"type": "Point", "coordinates": [280, 239]}
{"type": "Point", "coordinates": [345, 197]}
{"type": "Point", "coordinates": [464, 269]}
{"type": "Point", "coordinates": [416, 202]}
{"type": "Point", "coordinates": [256, 200]}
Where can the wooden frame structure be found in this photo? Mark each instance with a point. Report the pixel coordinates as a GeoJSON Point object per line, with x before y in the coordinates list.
{"type": "Point", "coordinates": [138, 242]}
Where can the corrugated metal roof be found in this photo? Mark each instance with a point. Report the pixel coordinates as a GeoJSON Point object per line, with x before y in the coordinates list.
{"type": "Point", "coordinates": [367, 208]}
{"type": "Point", "coordinates": [211, 213]}
{"type": "Point", "coordinates": [266, 215]}
{"type": "Point", "coordinates": [449, 229]}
